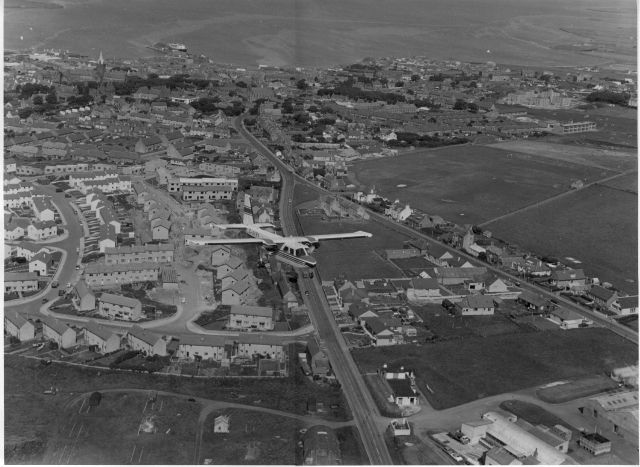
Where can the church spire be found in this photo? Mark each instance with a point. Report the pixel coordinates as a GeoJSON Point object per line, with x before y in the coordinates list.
{"type": "Point", "coordinates": [101, 59]}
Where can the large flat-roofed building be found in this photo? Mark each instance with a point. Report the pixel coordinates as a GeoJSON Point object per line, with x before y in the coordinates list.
{"type": "Point", "coordinates": [577, 127]}
{"type": "Point", "coordinates": [121, 308]}
{"type": "Point", "coordinates": [102, 275]}
{"type": "Point", "coordinates": [176, 184]}
{"type": "Point", "coordinates": [207, 193]}
{"type": "Point", "coordinates": [594, 443]}
{"type": "Point", "coordinates": [139, 254]}
{"type": "Point", "coordinates": [251, 317]}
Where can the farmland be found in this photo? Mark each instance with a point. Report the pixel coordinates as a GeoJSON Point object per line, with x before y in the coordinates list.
{"type": "Point", "coordinates": [467, 369]}
{"type": "Point", "coordinates": [597, 226]}
{"type": "Point", "coordinates": [471, 184]}
{"type": "Point", "coordinates": [358, 258]}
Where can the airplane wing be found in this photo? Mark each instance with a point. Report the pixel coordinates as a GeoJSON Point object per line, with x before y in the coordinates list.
{"type": "Point", "coordinates": [243, 226]}
{"type": "Point", "coordinates": [338, 236]}
{"type": "Point", "coordinates": [228, 241]}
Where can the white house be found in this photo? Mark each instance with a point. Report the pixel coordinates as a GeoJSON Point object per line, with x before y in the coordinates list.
{"type": "Point", "coordinates": [626, 305]}
{"type": "Point", "coordinates": [41, 263]}
{"type": "Point", "coordinates": [475, 305]}
{"type": "Point", "coordinates": [566, 319]}
{"type": "Point", "coordinates": [221, 424]}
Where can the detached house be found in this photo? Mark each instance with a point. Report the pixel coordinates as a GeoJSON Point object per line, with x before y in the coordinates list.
{"type": "Point", "coordinates": [41, 263]}
{"type": "Point", "coordinates": [476, 305]}
{"type": "Point", "coordinates": [603, 297]}
{"type": "Point", "coordinates": [568, 279]}
{"type": "Point", "coordinates": [379, 332]}
{"type": "Point", "coordinates": [423, 288]}
{"type": "Point", "coordinates": [626, 305]}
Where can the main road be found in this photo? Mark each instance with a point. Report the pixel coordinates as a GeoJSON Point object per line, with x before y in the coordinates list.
{"type": "Point", "coordinates": [598, 318]}
{"type": "Point", "coordinates": [362, 405]}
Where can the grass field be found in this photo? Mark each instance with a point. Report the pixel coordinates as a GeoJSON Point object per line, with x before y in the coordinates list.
{"type": "Point", "coordinates": [109, 432]}
{"type": "Point", "coordinates": [597, 226]}
{"type": "Point", "coordinates": [471, 184]}
{"type": "Point", "coordinates": [357, 258]}
{"type": "Point", "coordinates": [625, 183]}
{"type": "Point", "coordinates": [254, 438]}
{"type": "Point", "coordinates": [467, 369]}
{"type": "Point", "coordinates": [582, 387]}
{"type": "Point", "coordinates": [573, 153]}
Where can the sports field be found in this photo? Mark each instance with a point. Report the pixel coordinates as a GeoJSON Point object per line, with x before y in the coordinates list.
{"type": "Point", "coordinates": [471, 184]}
{"type": "Point", "coordinates": [467, 369]}
{"type": "Point", "coordinates": [597, 226]}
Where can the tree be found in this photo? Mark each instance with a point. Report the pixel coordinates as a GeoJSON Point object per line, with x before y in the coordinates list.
{"type": "Point", "coordinates": [415, 78]}
{"type": "Point", "coordinates": [302, 84]}
{"type": "Point", "coordinates": [241, 84]}
{"type": "Point", "coordinates": [52, 98]}
{"type": "Point", "coordinates": [460, 105]}
{"type": "Point", "coordinates": [37, 100]}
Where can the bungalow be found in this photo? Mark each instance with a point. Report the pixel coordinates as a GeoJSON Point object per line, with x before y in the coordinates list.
{"type": "Point", "coordinates": [497, 286]}
{"type": "Point", "coordinates": [568, 279]}
{"type": "Point", "coordinates": [379, 332]}
{"type": "Point", "coordinates": [458, 275]}
{"type": "Point", "coordinates": [423, 288]}
{"type": "Point", "coordinates": [147, 342]}
{"type": "Point", "coordinates": [58, 332]}
{"type": "Point", "coordinates": [20, 282]}
{"type": "Point", "coordinates": [201, 347]}
{"type": "Point", "coordinates": [404, 393]}
{"type": "Point", "coordinates": [121, 308]}
{"type": "Point", "coordinates": [625, 305]}
{"type": "Point", "coordinates": [603, 297]}
{"type": "Point", "coordinates": [41, 263]}
{"type": "Point", "coordinates": [476, 305]}
{"type": "Point", "coordinates": [566, 319]}
{"type": "Point", "coordinates": [533, 302]}
{"type": "Point", "coordinates": [83, 297]}
{"type": "Point", "coordinates": [101, 337]}
{"type": "Point", "coordinates": [17, 326]}
{"type": "Point", "coordinates": [251, 317]}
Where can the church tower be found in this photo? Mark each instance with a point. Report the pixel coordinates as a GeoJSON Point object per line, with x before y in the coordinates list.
{"type": "Point", "coordinates": [101, 68]}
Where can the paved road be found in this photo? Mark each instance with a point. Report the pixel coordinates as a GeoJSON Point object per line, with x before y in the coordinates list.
{"type": "Point", "coordinates": [363, 408]}
{"type": "Point", "coordinates": [66, 270]}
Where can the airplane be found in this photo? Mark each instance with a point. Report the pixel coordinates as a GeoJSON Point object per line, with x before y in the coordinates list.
{"type": "Point", "coordinates": [294, 250]}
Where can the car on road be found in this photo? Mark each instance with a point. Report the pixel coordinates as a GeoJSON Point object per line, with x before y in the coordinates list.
{"type": "Point", "coordinates": [77, 267]}
{"type": "Point", "coordinates": [306, 292]}
{"type": "Point", "coordinates": [54, 285]}
{"type": "Point", "coordinates": [45, 300]}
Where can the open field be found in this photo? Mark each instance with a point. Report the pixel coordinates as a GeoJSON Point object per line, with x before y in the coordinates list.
{"type": "Point", "coordinates": [595, 157]}
{"type": "Point", "coordinates": [625, 183]}
{"type": "Point", "coordinates": [355, 258]}
{"type": "Point", "coordinates": [255, 438]}
{"type": "Point", "coordinates": [108, 433]}
{"type": "Point", "coordinates": [467, 369]}
{"type": "Point", "coordinates": [471, 184]}
{"type": "Point", "coordinates": [597, 226]}
{"type": "Point", "coordinates": [571, 390]}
